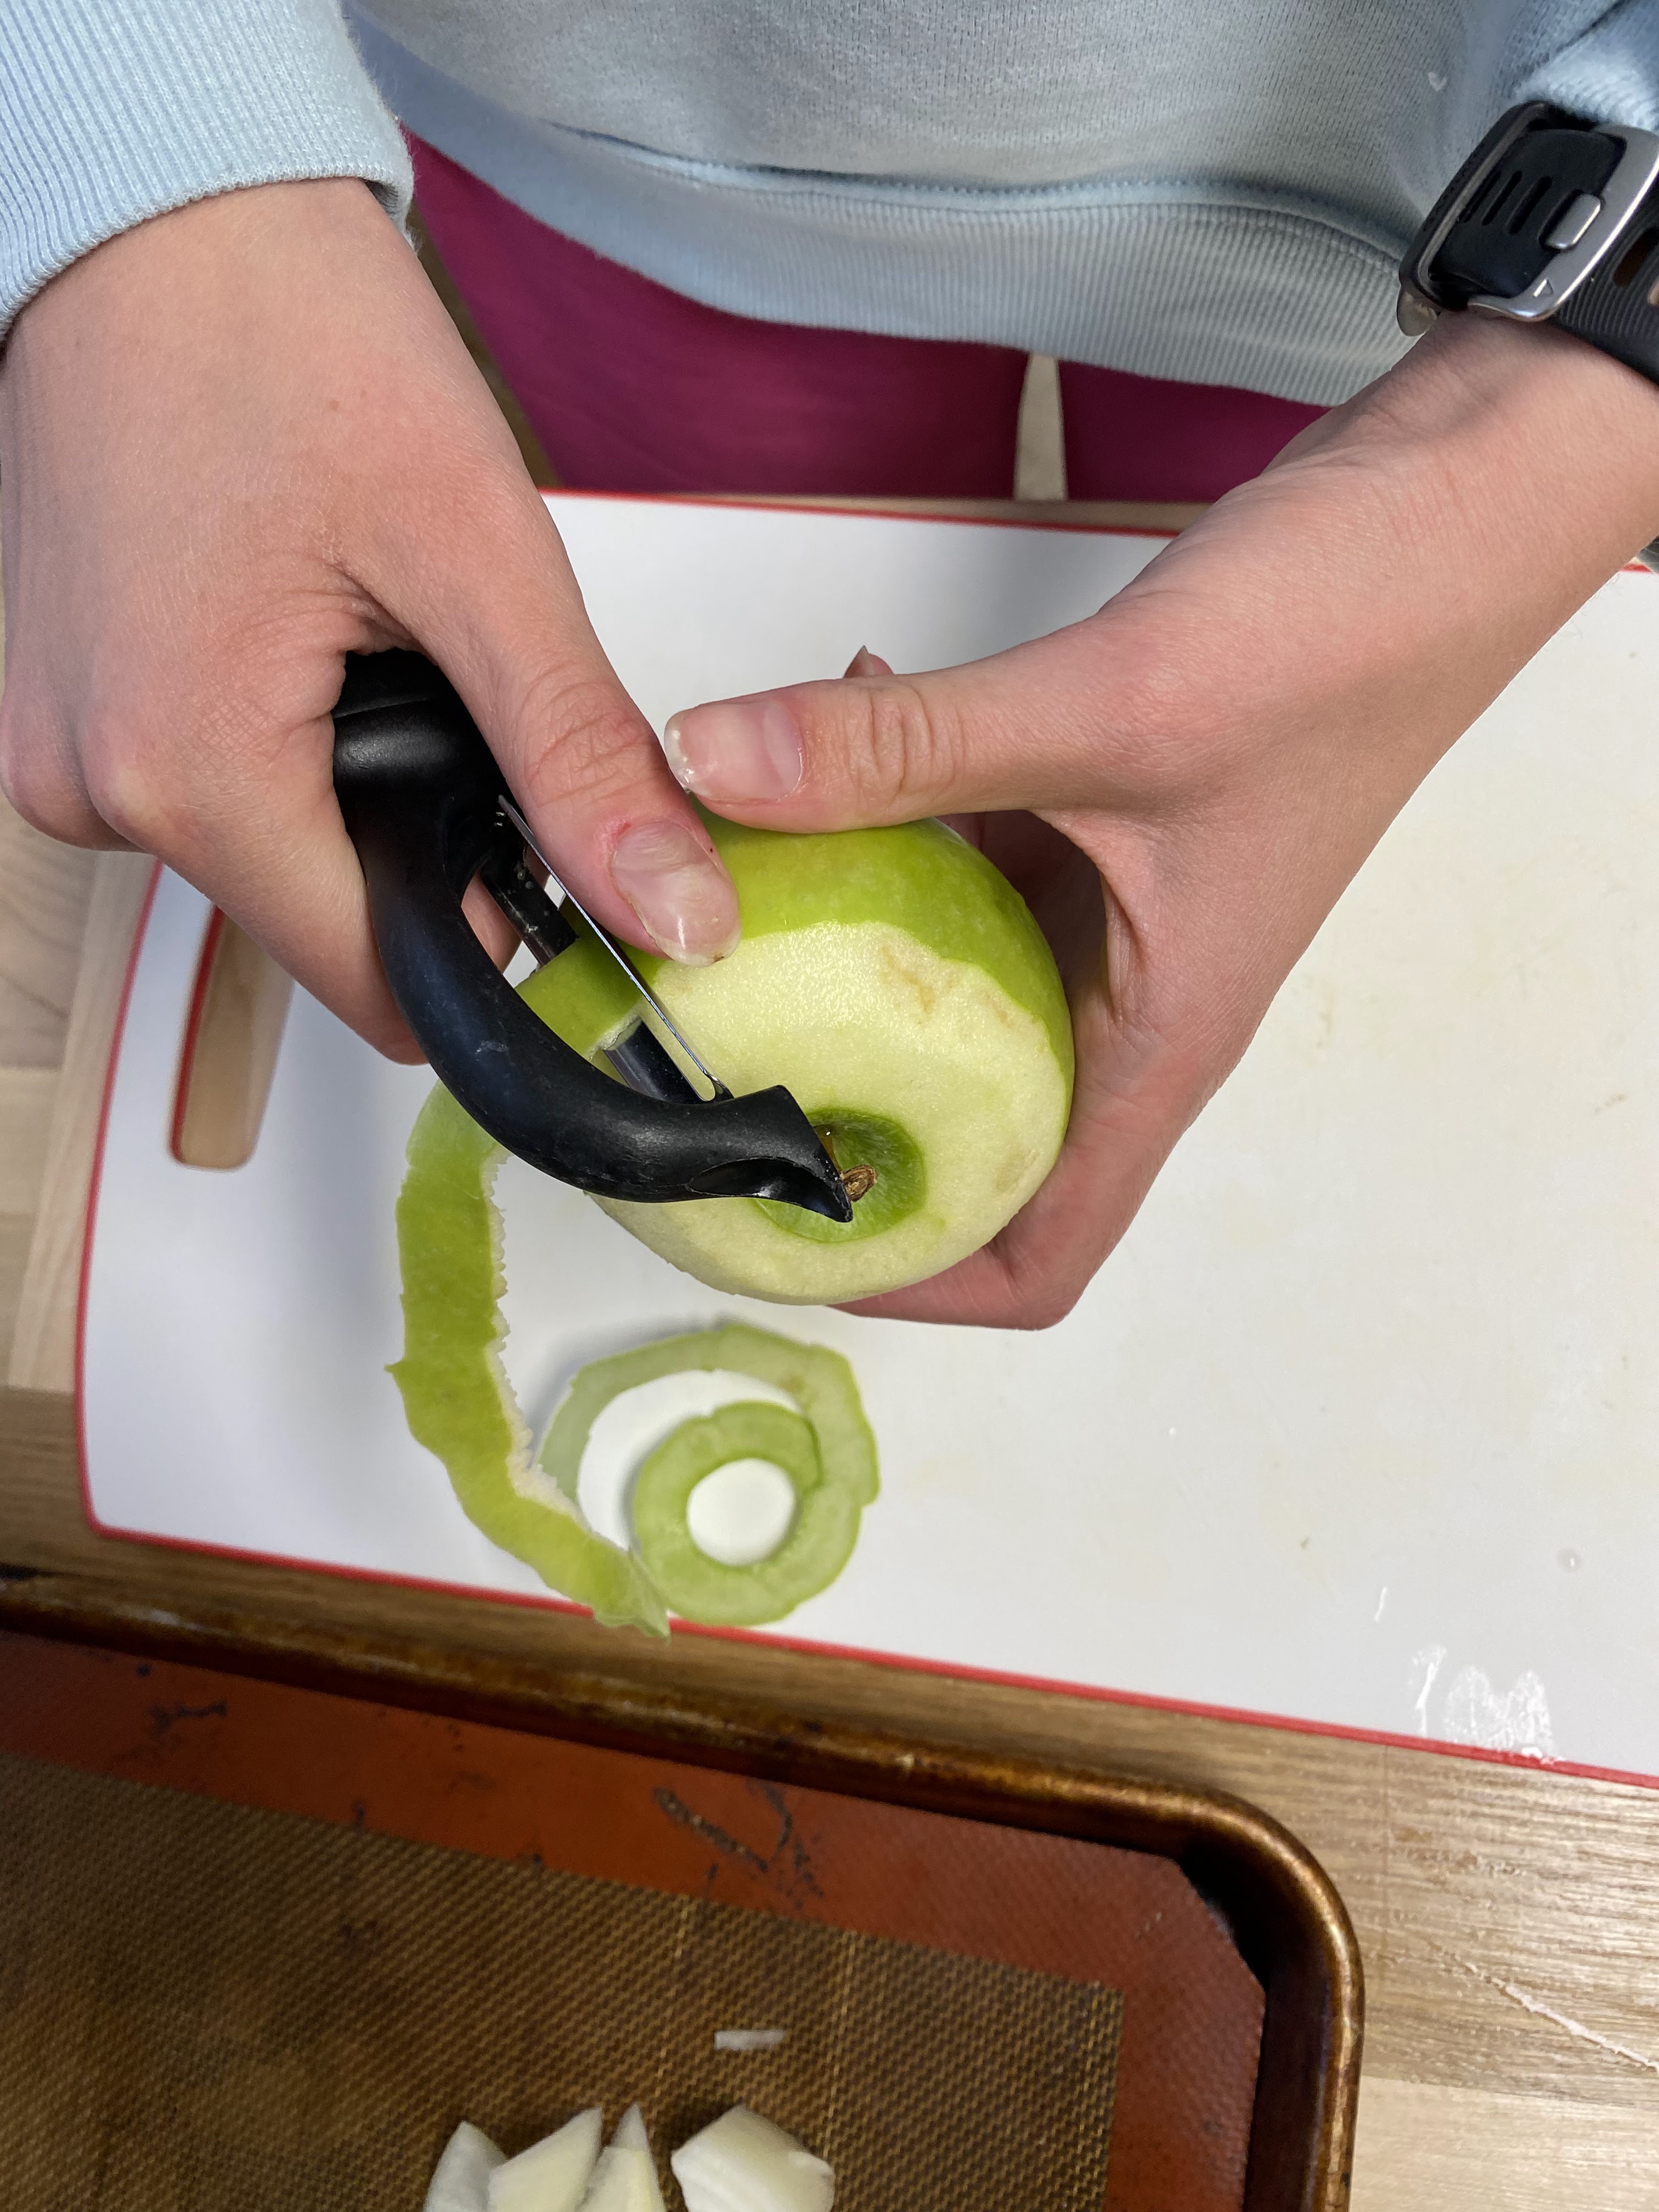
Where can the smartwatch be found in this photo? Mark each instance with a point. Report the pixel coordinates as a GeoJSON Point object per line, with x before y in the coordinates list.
{"type": "Point", "coordinates": [1551, 219]}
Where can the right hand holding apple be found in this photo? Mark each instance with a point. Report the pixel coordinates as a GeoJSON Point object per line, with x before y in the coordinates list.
{"type": "Point", "coordinates": [236, 443]}
{"type": "Point", "coordinates": [1182, 785]}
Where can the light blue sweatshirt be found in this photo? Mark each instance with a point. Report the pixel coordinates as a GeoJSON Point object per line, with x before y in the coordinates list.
{"type": "Point", "coordinates": [1217, 192]}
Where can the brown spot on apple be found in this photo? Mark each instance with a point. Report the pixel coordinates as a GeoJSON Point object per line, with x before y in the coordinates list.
{"type": "Point", "coordinates": [905, 978]}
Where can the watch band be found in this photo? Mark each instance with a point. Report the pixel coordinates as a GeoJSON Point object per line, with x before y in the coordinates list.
{"type": "Point", "coordinates": [1551, 219]}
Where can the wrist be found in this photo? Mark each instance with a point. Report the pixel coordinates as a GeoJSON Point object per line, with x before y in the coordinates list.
{"type": "Point", "coordinates": [1508, 428]}
{"type": "Point", "coordinates": [175, 106]}
{"type": "Point", "coordinates": [1336, 624]}
{"type": "Point", "coordinates": [1452, 515]}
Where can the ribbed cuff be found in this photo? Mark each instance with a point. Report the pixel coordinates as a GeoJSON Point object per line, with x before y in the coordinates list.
{"type": "Point", "coordinates": [112, 110]}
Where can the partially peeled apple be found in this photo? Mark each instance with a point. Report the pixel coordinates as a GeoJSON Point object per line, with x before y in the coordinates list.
{"type": "Point", "coordinates": [896, 982]}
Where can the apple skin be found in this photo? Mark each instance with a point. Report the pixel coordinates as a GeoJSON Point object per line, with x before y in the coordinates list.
{"type": "Point", "coordinates": [919, 877]}
{"type": "Point", "coordinates": [897, 982]}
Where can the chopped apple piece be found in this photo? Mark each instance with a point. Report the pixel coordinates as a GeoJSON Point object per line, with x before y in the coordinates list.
{"type": "Point", "coordinates": [460, 2181]}
{"type": "Point", "coordinates": [630, 2131]}
{"type": "Point", "coordinates": [552, 2174]}
{"type": "Point", "coordinates": [742, 2163]}
{"type": "Point", "coordinates": [625, 2179]}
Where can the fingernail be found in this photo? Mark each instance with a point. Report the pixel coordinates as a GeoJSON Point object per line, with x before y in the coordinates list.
{"type": "Point", "coordinates": [736, 749]}
{"type": "Point", "coordinates": [682, 895]}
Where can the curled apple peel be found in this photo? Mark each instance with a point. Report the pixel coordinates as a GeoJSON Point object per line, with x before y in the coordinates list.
{"type": "Point", "coordinates": [461, 1404]}
{"type": "Point", "coordinates": [825, 1449]}
{"type": "Point", "coordinates": [456, 1398]}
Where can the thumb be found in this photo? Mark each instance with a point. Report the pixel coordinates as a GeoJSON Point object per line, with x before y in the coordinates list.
{"type": "Point", "coordinates": [871, 747]}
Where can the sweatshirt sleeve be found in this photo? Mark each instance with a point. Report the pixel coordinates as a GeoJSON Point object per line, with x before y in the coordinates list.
{"type": "Point", "coordinates": [1610, 74]}
{"type": "Point", "coordinates": [111, 111]}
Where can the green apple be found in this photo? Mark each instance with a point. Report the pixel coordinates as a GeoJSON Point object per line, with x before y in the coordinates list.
{"type": "Point", "coordinates": [625, 2179]}
{"type": "Point", "coordinates": [896, 982]}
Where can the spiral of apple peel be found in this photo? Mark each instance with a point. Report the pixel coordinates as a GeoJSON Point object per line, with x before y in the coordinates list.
{"type": "Point", "coordinates": [461, 1404]}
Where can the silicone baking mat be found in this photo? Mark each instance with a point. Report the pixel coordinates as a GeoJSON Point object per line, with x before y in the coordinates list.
{"type": "Point", "coordinates": [280, 1980]}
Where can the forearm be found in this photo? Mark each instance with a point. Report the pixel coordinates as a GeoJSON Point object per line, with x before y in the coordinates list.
{"type": "Point", "coordinates": [1442, 525]}
{"type": "Point", "coordinates": [1301, 658]}
{"type": "Point", "coordinates": [1506, 474]}
{"type": "Point", "coordinates": [111, 113]}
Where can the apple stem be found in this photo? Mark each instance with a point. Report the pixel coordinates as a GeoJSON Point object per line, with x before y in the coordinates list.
{"type": "Point", "coordinates": [857, 1182]}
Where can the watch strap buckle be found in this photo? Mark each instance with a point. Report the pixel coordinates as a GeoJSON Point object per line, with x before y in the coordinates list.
{"type": "Point", "coordinates": [1526, 212]}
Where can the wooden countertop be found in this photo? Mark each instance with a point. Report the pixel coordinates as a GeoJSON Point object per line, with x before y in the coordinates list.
{"type": "Point", "coordinates": [1509, 1917]}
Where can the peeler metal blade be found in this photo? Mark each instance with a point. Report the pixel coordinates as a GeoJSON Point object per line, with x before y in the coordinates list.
{"type": "Point", "coordinates": [638, 1056]}
{"type": "Point", "coordinates": [716, 1088]}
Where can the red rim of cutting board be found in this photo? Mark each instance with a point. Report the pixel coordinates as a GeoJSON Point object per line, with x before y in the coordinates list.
{"type": "Point", "coordinates": [1090, 1693]}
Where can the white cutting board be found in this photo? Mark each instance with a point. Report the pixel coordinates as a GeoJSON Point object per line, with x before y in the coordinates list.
{"type": "Point", "coordinates": [1359, 1427]}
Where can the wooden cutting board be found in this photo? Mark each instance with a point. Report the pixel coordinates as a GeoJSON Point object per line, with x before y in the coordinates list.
{"type": "Point", "coordinates": [1354, 1431]}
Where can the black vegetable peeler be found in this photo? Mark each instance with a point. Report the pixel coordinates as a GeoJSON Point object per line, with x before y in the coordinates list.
{"type": "Point", "coordinates": [428, 810]}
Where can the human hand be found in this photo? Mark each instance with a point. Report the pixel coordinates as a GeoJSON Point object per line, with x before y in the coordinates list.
{"type": "Point", "coordinates": [237, 443]}
{"type": "Point", "coordinates": [1182, 785]}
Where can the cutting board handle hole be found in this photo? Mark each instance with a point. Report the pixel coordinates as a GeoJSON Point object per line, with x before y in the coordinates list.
{"type": "Point", "coordinates": [238, 1006]}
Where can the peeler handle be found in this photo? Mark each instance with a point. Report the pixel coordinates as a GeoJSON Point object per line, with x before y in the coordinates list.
{"type": "Point", "coordinates": [421, 795]}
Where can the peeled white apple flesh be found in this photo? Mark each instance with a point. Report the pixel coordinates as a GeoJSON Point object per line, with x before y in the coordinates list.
{"type": "Point", "coordinates": [552, 2174]}
{"type": "Point", "coordinates": [460, 2180]}
{"type": "Point", "coordinates": [742, 2163]}
{"type": "Point", "coordinates": [625, 2179]}
{"type": "Point", "coordinates": [897, 984]}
